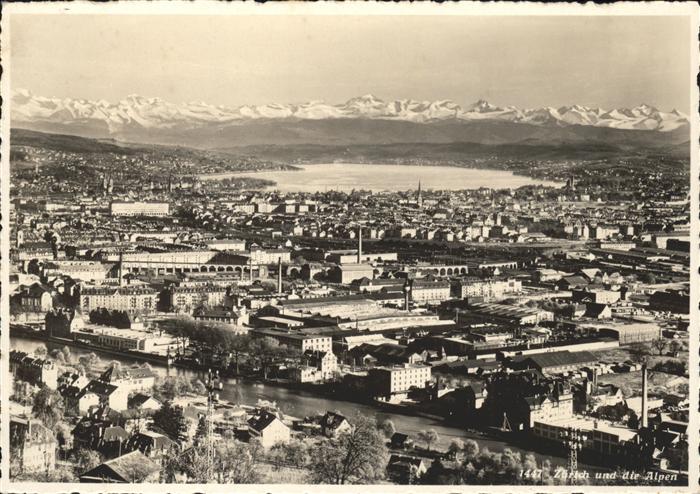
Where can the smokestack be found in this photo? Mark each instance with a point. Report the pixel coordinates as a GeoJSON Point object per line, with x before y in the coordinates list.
{"type": "Point", "coordinates": [359, 245]}
{"type": "Point", "coordinates": [595, 379]}
{"type": "Point", "coordinates": [279, 275]}
{"type": "Point", "coordinates": [250, 271]}
{"type": "Point", "coordinates": [645, 386]}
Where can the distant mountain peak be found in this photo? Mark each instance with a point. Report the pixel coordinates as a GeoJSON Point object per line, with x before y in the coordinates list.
{"type": "Point", "coordinates": [482, 106]}
{"type": "Point", "coordinates": [369, 97]}
{"type": "Point", "coordinates": [139, 112]}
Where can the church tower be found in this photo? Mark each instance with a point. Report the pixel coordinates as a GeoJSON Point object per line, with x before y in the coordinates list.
{"type": "Point", "coordinates": [419, 197]}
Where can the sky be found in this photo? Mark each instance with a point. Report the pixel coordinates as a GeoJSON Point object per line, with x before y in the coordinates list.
{"type": "Point", "coordinates": [527, 62]}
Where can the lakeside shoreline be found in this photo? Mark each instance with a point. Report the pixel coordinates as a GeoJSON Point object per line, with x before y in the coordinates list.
{"type": "Point", "coordinates": [382, 177]}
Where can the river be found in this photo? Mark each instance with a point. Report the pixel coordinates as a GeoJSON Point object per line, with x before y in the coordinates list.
{"type": "Point", "coordinates": [301, 403]}
{"type": "Point", "coordinates": [349, 176]}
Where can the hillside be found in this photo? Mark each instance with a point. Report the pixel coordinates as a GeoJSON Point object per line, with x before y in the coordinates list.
{"type": "Point", "coordinates": [68, 143]}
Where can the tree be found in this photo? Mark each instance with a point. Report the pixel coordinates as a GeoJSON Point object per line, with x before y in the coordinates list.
{"type": "Point", "coordinates": [297, 453]}
{"type": "Point", "coordinates": [67, 355]}
{"type": "Point", "coordinates": [89, 362]}
{"type": "Point", "coordinates": [639, 353]}
{"type": "Point", "coordinates": [456, 448]}
{"type": "Point", "coordinates": [236, 462]}
{"type": "Point", "coordinates": [438, 474]}
{"type": "Point", "coordinates": [388, 428]}
{"type": "Point", "coordinates": [41, 351]}
{"type": "Point", "coordinates": [116, 366]}
{"type": "Point", "coordinates": [86, 459]}
{"type": "Point", "coordinates": [294, 453]}
{"type": "Point", "coordinates": [171, 420]}
{"type": "Point", "coordinates": [200, 434]}
{"type": "Point", "coordinates": [677, 367]}
{"type": "Point", "coordinates": [60, 474]}
{"type": "Point", "coordinates": [238, 345]}
{"type": "Point", "coordinates": [648, 278]}
{"type": "Point", "coordinates": [64, 436]}
{"type": "Point", "coordinates": [57, 355]}
{"type": "Point", "coordinates": [172, 387]}
{"type": "Point", "coordinates": [266, 353]}
{"type": "Point", "coordinates": [276, 456]}
{"type": "Point", "coordinates": [22, 393]}
{"type": "Point", "coordinates": [471, 449]}
{"type": "Point", "coordinates": [358, 456]}
{"type": "Point", "coordinates": [428, 437]}
{"type": "Point", "coordinates": [676, 347]}
{"type": "Point", "coordinates": [48, 406]}
{"type": "Point", "coordinates": [659, 345]}
{"type": "Point", "coordinates": [198, 386]}
{"type": "Point", "coordinates": [170, 465]}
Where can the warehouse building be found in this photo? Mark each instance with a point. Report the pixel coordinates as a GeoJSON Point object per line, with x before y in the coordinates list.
{"type": "Point", "coordinates": [554, 362]}
{"type": "Point", "coordinates": [633, 333]}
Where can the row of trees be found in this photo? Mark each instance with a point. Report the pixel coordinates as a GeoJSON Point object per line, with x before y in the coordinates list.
{"type": "Point", "coordinates": [469, 465]}
{"type": "Point", "coordinates": [116, 318]}
{"type": "Point", "coordinates": [359, 456]}
{"type": "Point", "coordinates": [89, 364]}
{"type": "Point", "coordinates": [674, 346]}
{"type": "Point", "coordinates": [229, 349]}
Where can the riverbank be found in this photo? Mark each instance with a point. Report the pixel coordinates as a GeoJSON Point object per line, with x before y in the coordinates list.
{"type": "Point", "coordinates": [301, 401]}
{"type": "Point", "coordinates": [151, 358]}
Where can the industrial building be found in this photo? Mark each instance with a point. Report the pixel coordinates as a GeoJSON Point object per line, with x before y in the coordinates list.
{"type": "Point", "coordinates": [633, 333]}
{"type": "Point", "coordinates": [139, 208]}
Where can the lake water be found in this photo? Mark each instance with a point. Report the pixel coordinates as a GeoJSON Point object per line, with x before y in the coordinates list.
{"type": "Point", "coordinates": [348, 176]}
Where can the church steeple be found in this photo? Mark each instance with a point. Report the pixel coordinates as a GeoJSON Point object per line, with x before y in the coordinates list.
{"type": "Point", "coordinates": [419, 197]}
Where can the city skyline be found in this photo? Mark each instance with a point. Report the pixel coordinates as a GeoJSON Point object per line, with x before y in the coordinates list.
{"type": "Point", "coordinates": [344, 243]}
{"type": "Point", "coordinates": [544, 61]}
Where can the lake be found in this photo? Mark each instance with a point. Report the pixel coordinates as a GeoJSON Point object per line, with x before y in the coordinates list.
{"type": "Point", "coordinates": [348, 176]}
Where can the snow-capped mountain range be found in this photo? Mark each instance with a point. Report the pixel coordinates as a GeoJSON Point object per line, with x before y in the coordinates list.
{"type": "Point", "coordinates": [135, 112]}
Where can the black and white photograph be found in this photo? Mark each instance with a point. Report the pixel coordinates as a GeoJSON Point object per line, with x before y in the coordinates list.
{"type": "Point", "coordinates": [349, 243]}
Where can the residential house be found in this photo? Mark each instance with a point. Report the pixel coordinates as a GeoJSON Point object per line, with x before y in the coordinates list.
{"type": "Point", "coordinates": [99, 434]}
{"type": "Point", "coordinates": [399, 440]}
{"type": "Point", "coordinates": [144, 402]}
{"type": "Point", "coordinates": [129, 379]}
{"type": "Point", "coordinates": [268, 429]}
{"type": "Point", "coordinates": [132, 467]}
{"type": "Point", "coordinates": [152, 444]}
{"type": "Point", "coordinates": [115, 397]}
{"type": "Point", "coordinates": [32, 444]}
{"type": "Point", "coordinates": [316, 366]}
{"type": "Point", "coordinates": [404, 469]}
{"type": "Point", "coordinates": [333, 424]}
{"type": "Point", "coordinates": [35, 371]}
{"type": "Point", "coordinates": [34, 298]}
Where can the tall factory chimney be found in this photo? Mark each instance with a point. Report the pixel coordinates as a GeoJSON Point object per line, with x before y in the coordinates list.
{"type": "Point", "coordinates": [279, 275]}
{"type": "Point", "coordinates": [406, 296]}
{"type": "Point", "coordinates": [359, 244]}
{"type": "Point", "coordinates": [645, 404]}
